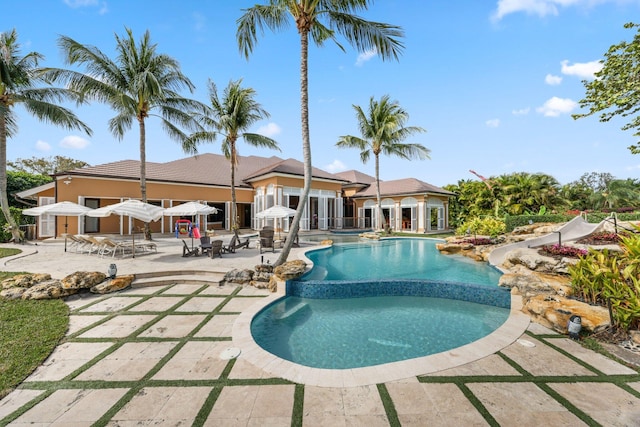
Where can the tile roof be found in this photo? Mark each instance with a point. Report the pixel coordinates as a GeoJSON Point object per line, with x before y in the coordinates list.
{"type": "Point", "coordinates": [356, 177]}
{"type": "Point", "coordinates": [402, 186]}
{"type": "Point", "coordinates": [292, 167]}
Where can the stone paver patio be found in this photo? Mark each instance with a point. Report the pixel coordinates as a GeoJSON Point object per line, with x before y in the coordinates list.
{"type": "Point", "coordinates": [151, 356]}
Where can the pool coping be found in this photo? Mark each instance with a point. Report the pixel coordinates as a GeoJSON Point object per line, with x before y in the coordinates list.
{"type": "Point", "coordinates": [250, 351]}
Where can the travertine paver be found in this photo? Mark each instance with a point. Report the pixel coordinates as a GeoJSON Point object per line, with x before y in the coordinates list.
{"type": "Point", "coordinates": [491, 365]}
{"type": "Point", "coordinates": [80, 300]}
{"type": "Point", "coordinates": [181, 289]}
{"type": "Point", "coordinates": [251, 291]}
{"type": "Point", "coordinates": [537, 360]}
{"type": "Point", "coordinates": [635, 386]}
{"type": "Point", "coordinates": [78, 322]}
{"type": "Point", "coordinates": [270, 405]}
{"type": "Point", "coordinates": [158, 304]}
{"type": "Point", "coordinates": [144, 290]}
{"type": "Point", "coordinates": [343, 406]}
{"type": "Point", "coordinates": [13, 401]}
{"type": "Point", "coordinates": [538, 329]}
{"type": "Point", "coordinates": [602, 363]}
{"type": "Point", "coordinates": [164, 406]}
{"type": "Point", "coordinates": [523, 405]}
{"type": "Point", "coordinates": [218, 290]}
{"type": "Point", "coordinates": [71, 408]}
{"type": "Point", "coordinates": [433, 405]}
{"type": "Point", "coordinates": [111, 304]}
{"type": "Point", "coordinates": [128, 363]}
{"type": "Point", "coordinates": [618, 409]}
{"type": "Point", "coordinates": [66, 358]}
{"type": "Point", "coordinates": [195, 361]}
{"type": "Point", "coordinates": [200, 304]}
{"type": "Point", "coordinates": [173, 326]}
{"type": "Point", "coordinates": [219, 325]}
{"type": "Point", "coordinates": [118, 327]}
{"type": "Point", "coordinates": [237, 305]}
{"type": "Point", "coordinates": [245, 370]}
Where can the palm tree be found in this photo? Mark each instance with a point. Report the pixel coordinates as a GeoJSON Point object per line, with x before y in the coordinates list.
{"type": "Point", "coordinates": [140, 83]}
{"type": "Point", "coordinates": [231, 116]}
{"type": "Point", "coordinates": [525, 192]}
{"type": "Point", "coordinates": [19, 79]}
{"type": "Point", "coordinates": [319, 20]}
{"type": "Point", "coordinates": [382, 131]}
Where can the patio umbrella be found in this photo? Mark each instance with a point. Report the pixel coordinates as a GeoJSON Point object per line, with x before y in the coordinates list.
{"type": "Point", "coordinates": [132, 208]}
{"type": "Point", "coordinates": [190, 209]}
{"type": "Point", "coordinates": [58, 209]}
{"type": "Point", "coordinates": [275, 212]}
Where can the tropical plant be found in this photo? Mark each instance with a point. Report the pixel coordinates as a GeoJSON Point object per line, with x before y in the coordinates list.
{"type": "Point", "coordinates": [383, 130]}
{"type": "Point", "coordinates": [138, 84]}
{"type": "Point", "coordinates": [320, 20]}
{"type": "Point", "coordinates": [617, 193]}
{"type": "Point", "coordinates": [485, 226]}
{"type": "Point", "coordinates": [615, 91]}
{"type": "Point", "coordinates": [525, 193]}
{"type": "Point", "coordinates": [23, 82]}
{"type": "Point", "coordinates": [231, 115]}
{"type": "Point", "coordinates": [46, 165]}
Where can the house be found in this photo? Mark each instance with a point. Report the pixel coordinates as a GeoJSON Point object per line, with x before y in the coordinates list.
{"type": "Point", "coordinates": [336, 201]}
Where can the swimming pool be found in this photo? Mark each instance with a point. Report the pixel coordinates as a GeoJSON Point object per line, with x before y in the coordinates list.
{"type": "Point", "coordinates": [403, 300]}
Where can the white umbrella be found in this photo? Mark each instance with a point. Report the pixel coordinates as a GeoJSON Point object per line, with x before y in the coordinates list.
{"type": "Point", "coordinates": [190, 209]}
{"type": "Point", "coordinates": [275, 212]}
{"type": "Point", "coordinates": [132, 208]}
{"type": "Point", "coordinates": [58, 209]}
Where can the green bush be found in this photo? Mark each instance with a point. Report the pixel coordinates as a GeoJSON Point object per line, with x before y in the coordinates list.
{"type": "Point", "coordinates": [486, 226]}
{"type": "Point", "coordinates": [608, 278]}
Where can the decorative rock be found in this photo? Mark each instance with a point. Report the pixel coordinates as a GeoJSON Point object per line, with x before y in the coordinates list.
{"type": "Point", "coordinates": [83, 280]}
{"type": "Point", "coordinates": [530, 228]}
{"type": "Point", "coordinates": [290, 269]}
{"type": "Point", "coordinates": [259, 284]}
{"type": "Point", "coordinates": [530, 283]}
{"type": "Point", "coordinates": [113, 285]}
{"type": "Point", "coordinates": [238, 276]}
{"type": "Point", "coordinates": [12, 293]}
{"type": "Point", "coordinates": [371, 236]}
{"type": "Point", "coordinates": [273, 284]}
{"type": "Point", "coordinates": [49, 289]}
{"type": "Point", "coordinates": [554, 312]}
{"type": "Point", "coordinates": [635, 336]}
{"type": "Point", "coordinates": [262, 276]}
{"type": "Point", "coordinates": [24, 280]}
{"type": "Point", "coordinates": [531, 259]}
{"type": "Point", "coordinates": [264, 268]}
{"type": "Point", "coordinates": [327, 242]}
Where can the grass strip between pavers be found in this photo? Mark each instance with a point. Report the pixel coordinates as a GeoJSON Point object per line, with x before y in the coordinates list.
{"type": "Point", "coordinates": [570, 406]}
{"type": "Point", "coordinates": [207, 407]}
{"type": "Point", "coordinates": [389, 407]}
{"type": "Point", "coordinates": [484, 412]}
{"type": "Point", "coordinates": [298, 406]}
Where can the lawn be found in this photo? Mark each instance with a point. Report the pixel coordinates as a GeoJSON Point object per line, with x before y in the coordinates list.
{"type": "Point", "coordinates": [29, 331]}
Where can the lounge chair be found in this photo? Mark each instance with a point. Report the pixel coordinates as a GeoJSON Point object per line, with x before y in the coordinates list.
{"type": "Point", "coordinates": [266, 240]}
{"type": "Point", "coordinates": [93, 245]}
{"type": "Point", "coordinates": [236, 243]}
{"type": "Point", "coordinates": [112, 247]}
{"type": "Point", "coordinates": [205, 245]}
{"type": "Point", "coordinates": [216, 249]}
{"type": "Point", "coordinates": [186, 251]}
{"type": "Point", "coordinates": [77, 242]}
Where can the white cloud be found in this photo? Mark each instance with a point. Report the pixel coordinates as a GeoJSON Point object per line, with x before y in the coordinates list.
{"type": "Point", "coordinates": [42, 145]}
{"type": "Point", "coordinates": [269, 130]}
{"type": "Point", "coordinates": [584, 70]}
{"type": "Point", "coordinates": [199, 21]}
{"type": "Point", "coordinates": [521, 112]}
{"type": "Point", "coordinates": [555, 106]}
{"type": "Point", "coordinates": [540, 8]}
{"type": "Point", "coordinates": [335, 166]}
{"type": "Point", "coordinates": [80, 3]}
{"type": "Point", "coordinates": [552, 80]}
{"type": "Point", "coordinates": [365, 56]}
{"type": "Point", "coordinates": [75, 142]}
{"type": "Point", "coordinates": [492, 123]}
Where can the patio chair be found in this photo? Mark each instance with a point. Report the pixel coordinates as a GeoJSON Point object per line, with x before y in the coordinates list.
{"type": "Point", "coordinates": [77, 242]}
{"type": "Point", "coordinates": [216, 248]}
{"type": "Point", "coordinates": [205, 245]}
{"type": "Point", "coordinates": [236, 243]}
{"type": "Point", "coordinates": [94, 245]}
{"type": "Point", "coordinates": [112, 247]}
{"type": "Point", "coordinates": [266, 240]}
{"type": "Point", "coordinates": [186, 251]}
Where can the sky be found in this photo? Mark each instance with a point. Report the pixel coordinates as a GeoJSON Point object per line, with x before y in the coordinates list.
{"type": "Point", "coordinates": [494, 83]}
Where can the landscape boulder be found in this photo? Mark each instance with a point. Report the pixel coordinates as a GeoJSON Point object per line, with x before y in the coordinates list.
{"type": "Point", "coordinates": [290, 270]}
{"type": "Point", "coordinates": [554, 311]}
{"type": "Point", "coordinates": [49, 289]}
{"type": "Point", "coordinates": [240, 276]}
{"type": "Point", "coordinates": [83, 280]}
{"type": "Point", "coordinates": [113, 285]}
{"type": "Point", "coordinates": [24, 280]}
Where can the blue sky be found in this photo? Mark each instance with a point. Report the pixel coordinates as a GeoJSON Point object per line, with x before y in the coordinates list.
{"type": "Point", "coordinates": [494, 83]}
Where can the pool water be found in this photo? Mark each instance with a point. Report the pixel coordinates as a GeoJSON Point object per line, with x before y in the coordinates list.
{"type": "Point", "coordinates": [397, 259]}
{"type": "Point", "coordinates": [376, 302]}
{"type": "Point", "coordinates": [356, 332]}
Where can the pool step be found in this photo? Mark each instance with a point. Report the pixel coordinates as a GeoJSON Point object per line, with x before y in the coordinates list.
{"type": "Point", "coordinates": [291, 311]}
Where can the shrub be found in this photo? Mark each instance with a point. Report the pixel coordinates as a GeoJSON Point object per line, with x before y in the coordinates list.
{"type": "Point", "coordinates": [561, 250]}
{"type": "Point", "coordinates": [487, 226]}
{"type": "Point", "coordinates": [478, 241]}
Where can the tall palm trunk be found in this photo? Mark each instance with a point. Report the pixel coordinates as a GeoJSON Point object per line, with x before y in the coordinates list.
{"type": "Point", "coordinates": [4, 201]}
{"type": "Point", "coordinates": [143, 173]}
{"type": "Point", "coordinates": [234, 208]}
{"type": "Point", "coordinates": [380, 214]}
{"type": "Point", "coordinates": [306, 146]}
